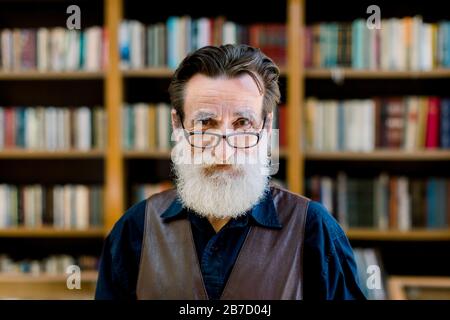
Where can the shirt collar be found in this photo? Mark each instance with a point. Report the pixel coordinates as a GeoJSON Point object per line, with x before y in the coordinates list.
{"type": "Point", "coordinates": [264, 213]}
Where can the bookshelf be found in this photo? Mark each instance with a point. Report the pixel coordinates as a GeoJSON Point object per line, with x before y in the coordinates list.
{"type": "Point", "coordinates": [114, 86]}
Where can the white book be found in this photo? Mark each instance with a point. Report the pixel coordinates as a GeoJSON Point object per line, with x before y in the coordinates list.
{"type": "Point", "coordinates": [141, 128]}
{"type": "Point", "coordinates": [417, 42]}
{"type": "Point", "coordinates": [83, 128]}
{"type": "Point", "coordinates": [204, 32]}
{"type": "Point", "coordinates": [67, 128]}
{"type": "Point", "coordinates": [57, 51]}
{"type": "Point", "coordinates": [43, 49]}
{"type": "Point", "coordinates": [163, 118]}
{"type": "Point", "coordinates": [3, 206]}
{"type": "Point", "coordinates": [93, 49]}
{"type": "Point", "coordinates": [333, 125]}
{"type": "Point", "coordinates": [327, 125]}
{"type": "Point", "coordinates": [326, 193]}
{"type": "Point", "coordinates": [82, 206]}
{"type": "Point", "coordinates": [427, 47]}
{"type": "Point", "coordinates": [137, 48]}
{"type": "Point", "coordinates": [67, 207]}
{"type": "Point", "coordinates": [385, 44]}
{"type": "Point", "coordinates": [372, 35]}
{"type": "Point", "coordinates": [229, 33]}
{"type": "Point", "coordinates": [73, 50]}
{"type": "Point", "coordinates": [50, 128]}
{"type": "Point", "coordinates": [6, 45]}
{"type": "Point", "coordinates": [369, 125]}
{"type": "Point", "coordinates": [59, 128]}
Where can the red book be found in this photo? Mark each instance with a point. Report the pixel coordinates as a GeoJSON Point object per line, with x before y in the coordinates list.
{"type": "Point", "coordinates": [432, 131]}
{"type": "Point", "coordinates": [10, 127]}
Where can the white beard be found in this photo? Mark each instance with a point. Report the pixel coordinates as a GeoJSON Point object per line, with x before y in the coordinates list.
{"type": "Point", "coordinates": [221, 193]}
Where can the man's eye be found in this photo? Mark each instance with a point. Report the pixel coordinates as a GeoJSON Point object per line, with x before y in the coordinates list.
{"type": "Point", "coordinates": [204, 122]}
{"type": "Point", "coordinates": [242, 123]}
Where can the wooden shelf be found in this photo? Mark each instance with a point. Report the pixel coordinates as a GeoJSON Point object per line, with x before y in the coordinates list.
{"type": "Point", "coordinates": [397, 235]}
{"type": "Point", "coordinates": [375, 74]}
{"type": "Point", "coordinates": [50, 232]}
{"type": "Point", "coordinates": [45, 154]}
{"type": "Point", "coordinates": [51, 75]}
{"type": "Point", "coordinates": [148, 73]}
{"type": "Point", "coordinates": [90, 276]}
{"type": "Point", "coordinates": [384, 155]}
{"type": "Point", "coordinates": [147, 154]}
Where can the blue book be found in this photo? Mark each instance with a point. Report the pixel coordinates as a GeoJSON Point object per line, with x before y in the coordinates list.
{"type": "Point", "coordinates": [431, 203]}
{"type": "Point", "coordinates": [445, 123]}
{"type": "Point", "coordinates": [172, 38]}
{"type": "Point", "coordinates": [358, 44]}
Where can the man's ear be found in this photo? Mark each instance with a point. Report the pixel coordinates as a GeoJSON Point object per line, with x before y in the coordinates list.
{"type": "Point", "coordinates": [269, 122]}
{"type": "Point", "coordinates": [176, 124]}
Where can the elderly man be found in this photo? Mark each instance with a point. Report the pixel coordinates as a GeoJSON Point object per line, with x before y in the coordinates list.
{"type": "Point", "coordinates": [225, 231]}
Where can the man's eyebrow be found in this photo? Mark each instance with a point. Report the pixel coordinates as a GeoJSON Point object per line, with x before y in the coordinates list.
{"type": "Point", "coordinates": [199, 115]}
{"type": "Point", "coordinates": [245, 113]}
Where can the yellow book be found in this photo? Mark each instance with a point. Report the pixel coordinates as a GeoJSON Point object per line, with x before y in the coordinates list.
{"type": "Point", "coordinates": [152, 126]}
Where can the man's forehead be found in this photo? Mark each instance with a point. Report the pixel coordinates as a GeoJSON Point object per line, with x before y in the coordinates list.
{"type": "Point", "coordinates": [217, 112]}
{"type": "Point", "coordinates": [203, 85]}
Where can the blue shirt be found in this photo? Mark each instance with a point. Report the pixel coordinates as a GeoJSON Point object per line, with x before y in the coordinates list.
{"type": "Point", "coordinates": [329, 266]}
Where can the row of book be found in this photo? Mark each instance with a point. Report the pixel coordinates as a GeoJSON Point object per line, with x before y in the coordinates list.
{"type": "Point", "coordinates": [148, 126]}
{"type": "Point", "coordinates": [53, 128]}
{"type": "Point", "coordinates": [53, 49]}
{"type": "Point", "coordinates": [371, 275]}
{"type": "Point", "coordinates": [409, 123]}
{"type": "Point", "coordinates": [51, 265]}
{"type": "Point", "coordinates": [60, 206]}
{"type": "Point", "coordinates": [143, 191]}
{"type": "Point", "coordinates": [165, 44]}
{"type": "Point", "coordinates": [398, 44]}
{"type": "Point", "coordinates": [384, 202]}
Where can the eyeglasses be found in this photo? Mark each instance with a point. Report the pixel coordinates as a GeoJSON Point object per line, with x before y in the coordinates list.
{"type": "Point", "coordinates": [209, 140]}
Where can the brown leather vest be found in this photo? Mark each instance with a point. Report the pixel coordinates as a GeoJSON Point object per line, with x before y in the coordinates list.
{"type": "Point", "coordinates": [269, 264]}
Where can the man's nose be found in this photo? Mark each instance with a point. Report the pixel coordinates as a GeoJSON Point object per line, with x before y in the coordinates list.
{"type": "Point", "coordinates": [223, 152]}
